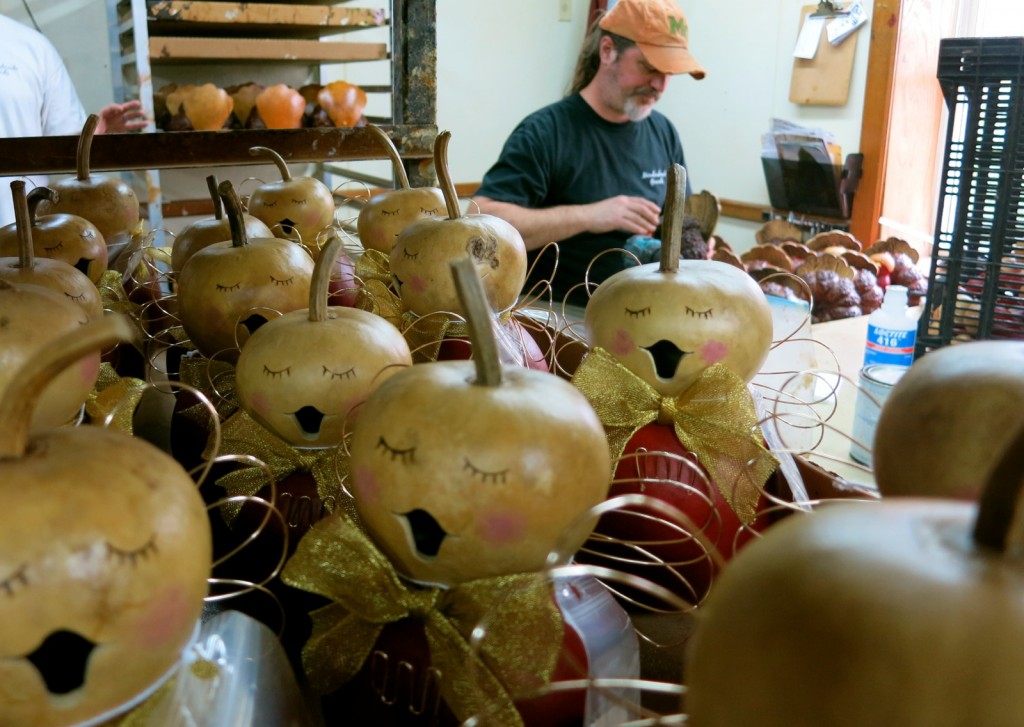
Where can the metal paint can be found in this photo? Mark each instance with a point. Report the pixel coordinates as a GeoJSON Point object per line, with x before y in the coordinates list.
{"type": "Point", "coordinates": [876, 381]}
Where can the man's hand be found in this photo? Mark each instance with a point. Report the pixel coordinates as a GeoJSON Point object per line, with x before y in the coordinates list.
{"type": "Point", "coordinates": [635, 215]}
{"type": "Point", "coordinates": [121, 117]}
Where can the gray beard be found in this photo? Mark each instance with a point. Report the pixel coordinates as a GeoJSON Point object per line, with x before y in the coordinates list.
{"type": "Point", "coordinates": [635, 112]}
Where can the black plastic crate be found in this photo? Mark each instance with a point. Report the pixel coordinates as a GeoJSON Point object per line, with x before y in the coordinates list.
{"type": "Point", "coordinates": [976, 283]}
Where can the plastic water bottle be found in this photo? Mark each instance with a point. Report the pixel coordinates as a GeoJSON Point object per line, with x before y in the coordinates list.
{"type": "Point", "coordinates": [891, 332]}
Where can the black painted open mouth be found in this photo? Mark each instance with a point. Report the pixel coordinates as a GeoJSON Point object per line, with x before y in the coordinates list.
{"type": "Point", "coordinates": [287, 226]}
{"type": "Point", "coordinates": [309, 419]}
{"type": "Point", "coordinates": [83, 265]}
{"type": "Point", "coordinates": [253, 322]}
{"type": "Point", "coordinates": [62, 660]}
{"type": "Point", "coordinates": [666, 356]}
{"type": "Point", "coordinates": [427, 534]}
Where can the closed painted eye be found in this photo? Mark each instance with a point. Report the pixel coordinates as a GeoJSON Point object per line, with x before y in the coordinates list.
{"type": "Point", "coordinates": [287, 370]}
{"type": "Point", "coordinates": [639, 313]}
{"type": "Point", "coordinates": [495, 478]}
{"type": "Point", "coordinates": [76, 298]}
{"type": "Point", "coordinates": [410, 255]}
{"type": "Point", "coordinates": [405, 456]}
{"type": "Point", "coordinates": [299, 202]}
{"type": "Point", "coordinates": [430, 212]}
{"type": "Point", "coordinates": [228, 288]}
{"type": "Point", "coordinates": [389, 213]}
{"type": "Point", "coordinates": [698, 313]}
{"type": "Point", "coordinates": [17, 580]}
{"type": "Point", "coordinates": [56, 248]}
{"type": "Point", "coordinates": [350, 374]}
{"type": "Point", "coordinates": [270, 204]}
{"type": "Point", "coordinates": [275, 281]}
{"type": "Point", "coordinates": [132, 557]}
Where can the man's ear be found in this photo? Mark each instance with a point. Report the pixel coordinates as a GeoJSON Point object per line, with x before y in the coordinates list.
{"type": "Point", "coordinates": [607, 51]}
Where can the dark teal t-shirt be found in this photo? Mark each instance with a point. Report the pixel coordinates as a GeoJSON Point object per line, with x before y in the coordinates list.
{"type": "Point", "coordinates": [565, 154]}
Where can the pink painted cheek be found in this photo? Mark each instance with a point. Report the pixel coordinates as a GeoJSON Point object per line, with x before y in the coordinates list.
{"type": "Point", "coordinates": [165, 619]}
{"type": "Point", "coordinates": [90, 370]}
{"type": "Point", "coordinates": [714, 351]}
{"type": "Point", "coordinates": [367, 487]}
{"type": "Point", "coordinates": [259, 403]}
{"type": "Point", "coordinates": [501, 528]}
{"type": "Point", "coordinates": [622, 343]}
{"type": "Point", "coordinates": [417, 283]}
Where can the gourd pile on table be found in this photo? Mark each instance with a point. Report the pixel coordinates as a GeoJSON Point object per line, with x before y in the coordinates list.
{"type": "Point", "coordinates": [431, 468]}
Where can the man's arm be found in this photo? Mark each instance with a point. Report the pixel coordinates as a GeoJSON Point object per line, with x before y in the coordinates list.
{"type": "Point", "coordinates": [635, 215]}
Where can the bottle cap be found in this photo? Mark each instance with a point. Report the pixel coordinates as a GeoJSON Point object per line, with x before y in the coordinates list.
{"type": "Point", "coordinates": [895, 297]}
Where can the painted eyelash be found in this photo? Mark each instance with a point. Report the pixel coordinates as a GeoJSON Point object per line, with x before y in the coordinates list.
{"type": "Point", "coordinates": [429, 212]}
{"type": "Point", "coordinates": [300, 202]}
{"type": "Point", "coordinates": [640, 313]}
{"type": "Point", "coordinates": [270, 204]}
{"type": "Point", "coordinates": [228, 288]}
{"type": "Point", "coordinates": [76, 298]}
{"type": "Point", "coordinates": [19, 579]}
{"type": "Point", "coordinates": [698, 313]}
{"type": "Point", "coordinates": [277, 374]}
{"type": "Point", "coordinates": [496, 478]}
{"type": "Point", "coordinates": [56, 248]}
{"type": "Point", "coordinates": [410, 255]}
{"type": "Point", "coordinates": [341, 374]}
{"type": "Point", "coordinates": [275, 281]}
{"type": "Point", "coordinates": [404, 455]}
{"type": "Point", "coordinates": [389, 213]}
{"type": "Point", "coordinates": [132, 557]}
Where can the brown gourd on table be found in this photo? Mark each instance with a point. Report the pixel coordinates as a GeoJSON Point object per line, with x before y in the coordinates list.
{"type": "Point", "coordinates": [105, 552]}
{"type": "Point", "coordinates": [296, 208]}
{"type": "Point", "coordinates": [70, 238]}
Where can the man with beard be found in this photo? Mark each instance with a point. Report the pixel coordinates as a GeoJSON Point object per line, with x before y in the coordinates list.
{"type": "Point", "coordinates": [589, 171]}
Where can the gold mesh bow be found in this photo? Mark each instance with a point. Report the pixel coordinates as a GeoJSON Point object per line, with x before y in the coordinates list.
{"type": "Point", "coordinates": [112, 392]}
{"type": "Point", "coordinates": [336, 559]}
{"type": "Point", "coordinates": [241, 434]}
{"type": "Point", "coordinates": [215, 379]}
{"type": "Point", "coordinates": [714, 418]}
{"type": "Point", "coordinates": [376, 296]}
{"type": "Point", "coordinates": [113, 295]}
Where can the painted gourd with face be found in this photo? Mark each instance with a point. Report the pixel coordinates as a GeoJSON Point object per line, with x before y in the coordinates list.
{"type": "Point", "coordinates": [226, 289]}
{"type": "Point", "coordinates": [464, 470]}
{"type": "Point", "coordinates": [30, 317]}
{"type": "Point", "coordinates": [68, 238]}
{"type": "Point", "coordinates": [668, 324]}
{"type": "Point", "coordinates": [388, 213]}
{"type": "Point", "coordinates": [303, 374]}
{"type": "Point", "coordinates": [106, 201]}
{"type": "Point", "coordinates": [294, 208]}
{"type": "Point", "coordinates": [46, 272]}
{"type": "Point", "coordinates": [105, 551]}
{"type": "Point", "coordinates": [424, 250]}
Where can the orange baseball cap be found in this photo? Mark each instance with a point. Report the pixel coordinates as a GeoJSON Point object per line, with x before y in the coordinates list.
{"type": "Point", "coordinates": [659, 29]}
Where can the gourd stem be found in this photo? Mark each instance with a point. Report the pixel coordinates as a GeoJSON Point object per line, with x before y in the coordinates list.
{"type": "Point", "coordinates": [233, 209]}
{"type": "Point", "coordinates": [478, 318]}
{"type": "Point", "coordinates": [218, 208]}
{"type": "Point", "coordinates": [1000, 497]}
{"type": "Point", "coordinates": [392, 151]}
{"type": "Point", "coordinates": [85, 147]}
{"type": "Point", "coordinates": [672, 221]}
{"type": "Point", "coordinates": [23, 225]}
{"type": "Point", "coordinates": [38, 195]}
{"type": "Point", "coordinates": [444, 177]}
{"type": "Point", "coordinates": [319, 286]}
{"type": "Point", "coordinates": [20, 397]}
{"type": "Point", "coordinates": [255, 151]}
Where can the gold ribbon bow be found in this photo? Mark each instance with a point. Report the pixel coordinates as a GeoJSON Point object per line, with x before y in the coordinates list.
{"type": "Point", "coordinates": [336, 559]}
{"type": "Point", "coordinates": [376, 296]}
{"type": "Point", "coordinates": [215, 379]}
{"type": "Point", "coordinates": [714, 418]}
{"type": "Point", "coordinates": [113, 295]}
{"type": "Point", "coordinates": [241, 434]}
{"type": "Point", "coordinates": [112, 392]}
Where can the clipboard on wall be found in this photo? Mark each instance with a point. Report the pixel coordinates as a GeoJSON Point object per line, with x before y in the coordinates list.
{"type": "Point", "coordinates": [825, 79]}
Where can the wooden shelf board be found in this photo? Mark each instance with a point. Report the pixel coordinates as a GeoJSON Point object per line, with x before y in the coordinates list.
{"type": "Point", "coordinates": [204, 18]}
{"type": "Point", "coordinates": [188, 49]}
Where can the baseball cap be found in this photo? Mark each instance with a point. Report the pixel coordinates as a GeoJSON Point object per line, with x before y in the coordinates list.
{"type": "Point", "coordinates": [659, 29]}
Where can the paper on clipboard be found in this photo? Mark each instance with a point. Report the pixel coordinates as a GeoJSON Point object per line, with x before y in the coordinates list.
{"type": "Point", "coordinates": [810, 35]}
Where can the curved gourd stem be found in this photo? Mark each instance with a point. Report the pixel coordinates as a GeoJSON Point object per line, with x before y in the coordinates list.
{"type": "Point", "coordinates": [319, 286]}
{"type": "Point", "coordinates": [218, 208]}
{"type": "Point", "coordinates": [392, 151]}
{"type": "Point", "coordinates": [444, 177]}
{"type": "Point", "coordinates": [478, 318]}
{"type": "Point", "coordinates": [278, 160]}
{"type": "Point", "coordinates": [85, 147]}
{"type": "Point", "coordinates": [20, 397]}
{"type": "Point", "coordinates": [999, 498]}
{"type": "Point", "coordinates": [23, 225]}
{"type": "Point", "coordinates": [672, 223]}
{"type": "Point", "coordinates": [40, 194]}
{"type": "Point", "coordinates": [233, 209]}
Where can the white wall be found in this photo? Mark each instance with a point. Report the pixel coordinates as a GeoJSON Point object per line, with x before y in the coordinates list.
{"type": "Point", "coordinates": [497, 62]}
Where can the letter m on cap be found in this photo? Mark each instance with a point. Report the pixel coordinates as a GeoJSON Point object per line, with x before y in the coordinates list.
{"type": "Point", "coordinates": [677, 26]}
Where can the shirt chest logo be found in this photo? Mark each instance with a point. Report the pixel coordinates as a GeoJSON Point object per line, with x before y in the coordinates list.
{"type": "Point", "coordinates": [7, 69]}
{"type": "Point", "coordinates": [655, 178]}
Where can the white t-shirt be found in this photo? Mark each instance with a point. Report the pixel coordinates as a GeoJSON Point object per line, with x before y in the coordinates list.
{"type": "Point", "coordinates": [37, 97]}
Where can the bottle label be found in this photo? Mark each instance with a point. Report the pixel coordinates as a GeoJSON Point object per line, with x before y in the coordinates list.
{"type": "Point", "coordinates": [890, 346]}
